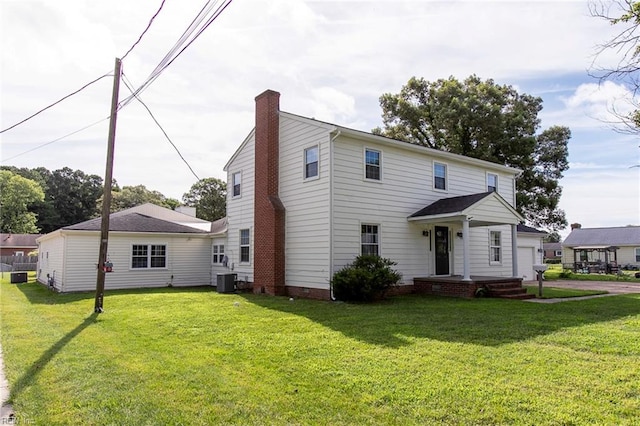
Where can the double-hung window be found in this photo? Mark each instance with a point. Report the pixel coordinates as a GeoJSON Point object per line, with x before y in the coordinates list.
{"type": "Point", "coordinates": [369, 240]}
{"type": "Point", "coordinates": [236, 181]}
{"type": "Point", "coordinates": [218, 253]}
{"type": "Point", "coordinates": [492, 182]}
{"type": "Point", "coordinates": [244, 246]}
{"type": "Point", "coordinates": [372, 164]}
{"type": "Point", "coordinates": [311, 162]}
{"type": "Point", "coordinates": [145, 256]}
{"type": "Point", "coordinates": [637, 254]}
{"type": "Point", "coordinates": [440, 176]}
{"type": "Point", "coordinates": [495, 247]}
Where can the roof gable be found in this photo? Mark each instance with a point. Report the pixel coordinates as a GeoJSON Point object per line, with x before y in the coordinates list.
{"type": "Point", "coordinates": [615, 236]}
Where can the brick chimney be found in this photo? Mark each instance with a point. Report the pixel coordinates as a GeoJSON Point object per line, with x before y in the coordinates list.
{"type": "Point", "coordinates": [575, 226]}
{"type": "Point", "coordinates": [269, 212]}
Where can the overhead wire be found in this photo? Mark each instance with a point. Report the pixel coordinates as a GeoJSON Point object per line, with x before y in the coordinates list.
{"type": "Point", "coordinates": [127, 84]}
{"type": "Point", "coordinates": [145, 30]}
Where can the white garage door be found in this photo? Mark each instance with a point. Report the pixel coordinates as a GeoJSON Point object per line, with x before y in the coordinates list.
{"type": "Point", "coordinates": [525, 263]}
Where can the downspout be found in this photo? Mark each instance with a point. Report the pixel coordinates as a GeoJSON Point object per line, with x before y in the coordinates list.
{"type": "Point", "coordinates": [331, 141]}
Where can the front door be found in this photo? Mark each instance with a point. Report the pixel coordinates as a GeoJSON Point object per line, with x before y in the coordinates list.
{"type": "Point", "coordinates": [442, 250]}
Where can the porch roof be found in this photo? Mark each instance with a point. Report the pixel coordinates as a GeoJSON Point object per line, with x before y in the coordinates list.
{"type": "Point", "coordinates": [482, 209]}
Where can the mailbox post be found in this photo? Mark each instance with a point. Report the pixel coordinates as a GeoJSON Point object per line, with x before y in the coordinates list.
{"type": "Point", "coordinates": [540, 271]}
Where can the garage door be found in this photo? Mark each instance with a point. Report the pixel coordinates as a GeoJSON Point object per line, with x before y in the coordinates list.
{"type": "Point", "coordinates": [525, 263]}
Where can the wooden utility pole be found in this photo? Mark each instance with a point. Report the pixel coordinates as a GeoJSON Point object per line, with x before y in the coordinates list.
{"type": "Point", "coordinates": [106, 197]}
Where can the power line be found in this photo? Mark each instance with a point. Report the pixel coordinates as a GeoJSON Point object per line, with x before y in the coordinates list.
{"type": "Point", "coordinates": [197, 26]}
{"type": "Point", "coordinates": [57, 102]}
{"type": "Point", "coordinates": [159, 125]}
{"type": "Point", "coordinates": [144, 32]}
{"type": "Point", "coordinates": [55, 140]}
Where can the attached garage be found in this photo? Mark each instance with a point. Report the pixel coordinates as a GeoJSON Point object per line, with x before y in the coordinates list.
{"type": "Point", "coordinates": [529, 251]}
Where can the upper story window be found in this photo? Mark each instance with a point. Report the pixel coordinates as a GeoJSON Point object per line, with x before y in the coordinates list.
{"type": "Point", "coordinates": [148, 256]}
{"type": "Point", "coordinates": [440, 176]}
{"type": "Point", "coordinates": [236, 182]}
{"type": "Point", "coordinates": [372, 164]}
{"type": "Point", "coordinates": [369, 240]}
{"type": "Point", "coordinates": [495, 247]}
{"type": "Point", "coordinates": [311, 162]}
{"type": "Point", "coordinates": [244, 246]}
{"type": "Point", "coordinates": [492, 182]}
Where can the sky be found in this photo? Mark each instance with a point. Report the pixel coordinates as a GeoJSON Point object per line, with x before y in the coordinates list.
{"type": "Point", "coordinates": [330, 60]}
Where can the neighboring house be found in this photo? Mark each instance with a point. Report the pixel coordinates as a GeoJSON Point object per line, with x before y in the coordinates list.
{"type": "Point", "coordinates": [587, 248]}
{"type": "Point", "coordinates": [18, 244]}
{"type": "Point", "coordinates": [149, 246]}
{"type": "Point", "coordinates": [306, 197]}
{"type": "Point", "coordinates": [553, 251]}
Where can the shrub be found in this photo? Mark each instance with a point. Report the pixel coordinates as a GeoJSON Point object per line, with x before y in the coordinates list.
{"type": "Point", "coordinates": [566, 273]}
{"type": "Point", "coordinates": [367, 279]}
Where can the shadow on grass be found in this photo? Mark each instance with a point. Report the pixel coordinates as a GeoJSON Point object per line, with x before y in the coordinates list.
{"type": "Point", "coordinates": [31, 374]}
{"type": "Point", "coordinates": [37, 293]}
{"type": "Point", "coordinates": [488, 322]}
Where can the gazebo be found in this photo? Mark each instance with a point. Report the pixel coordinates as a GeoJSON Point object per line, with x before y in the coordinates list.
{"type": "Point", "coordinates": [595, 259]}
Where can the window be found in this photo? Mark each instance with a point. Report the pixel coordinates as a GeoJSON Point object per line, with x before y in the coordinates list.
{"type": "Point", "coordinates": [369, 239]}
{"type": "Point", "coordinates": [372, 164]}
{"type": "Point", "coordinates": [218, 253]}
{"type": "Point", "coordinates": [495, 247]}
{"type": "Point", "coordinates": [440, 176]}
{"type": "Point", "coordinates": [492, 182]}
{"type": "Point", "coordinates": [557, 252]}
{"type": "Point", "coordinates": [637, 254]}
{"type": "Point", "coordinates": [236, 180]}
{"type": "Point", "coordinates": [244, 245]}
{"type": "Point", "coordinates": [311, 162]}
{"type": "Point", "coordinates": [148, 256]}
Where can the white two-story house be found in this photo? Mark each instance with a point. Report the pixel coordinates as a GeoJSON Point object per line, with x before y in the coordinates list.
{"type": "Point", "coordinates": [306, 197]}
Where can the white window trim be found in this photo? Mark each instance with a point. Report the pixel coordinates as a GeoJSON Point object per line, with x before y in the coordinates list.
{"type": "Point", "coordinates": [215, 251]}
{"type": "Point", "coordinates": [240, 245]}
{"type": "Point", "coordinates": [636, 253]}
{"type": "Point", "coordinates": [379, 243]}
{"type": "Point", "coordinates": [304, 163]}
{"type": "Point", "coordinates": [364, 163]}
{"type": "Point", "coordinates": [491, 247]}
{"type": "Point", "coordinates": [497, 181]}
{"type": "Point", "coordinates": [557, 253]}
{"type": "Point", "coordinates": [239, 172]}
{"type": "Point", "coordinates": [149, 268]}
{"type": "Point", "coordinates": [446, 176]}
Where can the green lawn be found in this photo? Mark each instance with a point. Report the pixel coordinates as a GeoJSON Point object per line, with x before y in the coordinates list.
{"type": "Point", "coordinates": [195, 357]}
{"type": "Point", "coordinates": [556, 292]}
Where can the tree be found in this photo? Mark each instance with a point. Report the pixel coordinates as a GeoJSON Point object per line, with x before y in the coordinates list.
{"type": "Point", "coordinates": [626, 15]}
{"type": "Point", "coordinates": [553, 237]}
{"type": "Point", "coordinates": [18, 194]}
{"type": "Point", "coordinates": [209, 197]}
{"type": "Point", "coordinates": [492, 122]}
{"type": "Point", "coordinates": [131, 196]}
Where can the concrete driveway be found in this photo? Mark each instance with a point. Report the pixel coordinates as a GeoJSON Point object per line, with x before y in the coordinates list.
{"type": "Point", "coordinates": [613, 287]}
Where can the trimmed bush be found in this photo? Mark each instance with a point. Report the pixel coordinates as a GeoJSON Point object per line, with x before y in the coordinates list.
{"type": "Point", "coordinates": [368, 278]}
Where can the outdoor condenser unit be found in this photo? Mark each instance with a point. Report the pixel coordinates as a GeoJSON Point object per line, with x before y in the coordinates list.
{"type": "Point", "coordinates": [226, 283]}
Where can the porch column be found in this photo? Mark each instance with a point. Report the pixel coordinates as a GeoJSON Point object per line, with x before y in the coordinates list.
{"type": "Point", "coordinates": [465, 250]}
{"type": "Point", "coordinates": [514, 250]}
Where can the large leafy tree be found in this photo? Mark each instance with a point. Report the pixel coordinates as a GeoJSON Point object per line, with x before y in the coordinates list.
{"type": "Point", "coordinates": [17, 195]}
{"type": "Point", "coordinates": [131, 196]}
{"type": "Point", "coordinates": [492, 122]}
{"type": "Point", "coordinates": [625, 15]}
{"type": "Point", "coordinates": [209, 197]}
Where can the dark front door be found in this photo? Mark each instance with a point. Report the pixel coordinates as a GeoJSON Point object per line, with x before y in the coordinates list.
{"type": "Point", "coordinates": [442, 250]}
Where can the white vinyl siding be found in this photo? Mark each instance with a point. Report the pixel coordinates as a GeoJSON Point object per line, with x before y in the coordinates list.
{"type": "Point", "coordinates": [307, 203]}
{"type": "Point", "coordinates": [184, 261]}
{"type": "Point", "coordinates": [240, 209]}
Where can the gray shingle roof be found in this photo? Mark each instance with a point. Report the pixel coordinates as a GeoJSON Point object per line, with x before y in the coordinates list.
{"type": "Point", "coordinates": [19, 240]}
{"type": "Point", "coordinates": [136, 222]}
{"type": "Point", "coordinates": [450, 205]}
{"type": "Point", "coordinates": [619, 236]}
{"type": "Point", "coordinates": [529, 230]}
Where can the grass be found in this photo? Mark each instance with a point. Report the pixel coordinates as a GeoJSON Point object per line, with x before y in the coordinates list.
{"type": "Point", "coordinates": [555, 292]}
{"type": "Point", "coordinates": [196, 357]}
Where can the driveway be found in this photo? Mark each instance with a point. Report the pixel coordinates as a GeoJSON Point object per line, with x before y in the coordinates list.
{"type": "Point", "coordinates": [613, 287]}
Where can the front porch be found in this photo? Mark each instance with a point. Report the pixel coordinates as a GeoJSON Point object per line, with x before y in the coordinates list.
{"type": "Point", "coordinates": [457, 286]}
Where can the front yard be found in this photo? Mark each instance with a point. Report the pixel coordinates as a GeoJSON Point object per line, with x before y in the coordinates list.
{"type": "Point", "coordinates": [193, 356]}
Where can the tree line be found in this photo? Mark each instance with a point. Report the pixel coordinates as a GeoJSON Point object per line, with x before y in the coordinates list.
{"type": "Point", "coordinates": [40, 201]}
